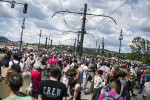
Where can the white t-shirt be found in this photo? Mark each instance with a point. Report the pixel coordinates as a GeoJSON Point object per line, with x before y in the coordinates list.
{"type": "Point", "coordinates": [97, 81]}
{"type": "Point", "coordinates": [16, 62]}
{"type": "Point", "coordinates": [85, 68]}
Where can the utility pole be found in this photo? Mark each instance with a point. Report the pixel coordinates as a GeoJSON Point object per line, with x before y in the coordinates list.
{"type": "Point", "coordinates": [39, 39]}
{"type": "Point", "coordinates": [74, 45]}
{"type": "Point", "coordinates": [83, 23]}
{"type": "Point", "coordinates": [23, 26]}
{"type": "Point", "coordinates": [96, 44]}
{"type": "Point", "coordinates": [51, 43]}
{"type": "Point", "coordinates": [103, 46]}
{"type": "Point", "coordinates": [98, 49]}
{"type": "Point", "coordinates": [78, 44]}
{"type": "Point", "coordinates": [83, 30]}
{"type": "Point", "coordinates": [46, 43]}
{"type": "Point", "coordinates": [120, 38]}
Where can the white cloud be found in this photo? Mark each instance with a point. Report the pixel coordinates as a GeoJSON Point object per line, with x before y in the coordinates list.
{"type": "Point", "coordinates": [132, 17]}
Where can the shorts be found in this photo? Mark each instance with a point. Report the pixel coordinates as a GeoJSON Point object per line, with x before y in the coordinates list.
{"type": "Point", "coordinates": [84, 81]}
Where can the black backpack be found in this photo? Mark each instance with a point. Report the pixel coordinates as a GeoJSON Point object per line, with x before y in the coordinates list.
{"type": "Point", "coordinates": [16, 67]}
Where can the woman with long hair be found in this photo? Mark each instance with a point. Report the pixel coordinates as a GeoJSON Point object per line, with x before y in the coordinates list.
{"type": "Point", "coordinates": [27, 83]}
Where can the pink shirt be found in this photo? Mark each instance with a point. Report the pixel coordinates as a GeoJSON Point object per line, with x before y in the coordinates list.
{"type": "Point", "coordinates": [52, 61]}
{"type": "Point", "coordinates": [111, 94]}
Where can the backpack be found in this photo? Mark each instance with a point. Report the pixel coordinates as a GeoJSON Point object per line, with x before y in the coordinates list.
{"type": "Point", "coordinates": [16, 67]}
{"type": "Point", "coordinates": [107, 97]}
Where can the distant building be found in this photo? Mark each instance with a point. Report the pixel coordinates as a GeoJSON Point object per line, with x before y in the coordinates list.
{"type": "Point", "coordinates": [8, 45]}
{"type": "Point", "coordinates": [33, 47]}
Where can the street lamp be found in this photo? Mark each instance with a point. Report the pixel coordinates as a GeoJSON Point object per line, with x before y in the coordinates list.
{"type": "Point", "coordinates": [46, 42]}
{"type": "Point", "coordinates": [98, 49]}
{"type": "Point", "coordinates": [51, 43]}
{"type": "Point", "coordinates": [23, 26]}
{"type": "Point", "coordinates": [39, 39]}
{"type": "Point", "coordinates": [120, 38]}
{"type": "Point", "coordinates": [103, 46]}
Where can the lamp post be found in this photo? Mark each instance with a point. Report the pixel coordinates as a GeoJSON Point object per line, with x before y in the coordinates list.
{"type": "Point", "coordinates": [46, 42]}
{"type": "Point", "coordinates": [39, 39]}
{"type": "Point", "coordinates": [78, 44]}
{"type": "Point", "coordinates": [98, 49]}
{"type": "Point", "coordinates": [83, 31]}
{"type": "Point", "coordinates": [23, 26]}
{"type": "Point", "coordinates": [51, 43]}
{"type": "Point", "coordinates": [120, 38]}
{"type": "Point", "coordinates": [103, 46]}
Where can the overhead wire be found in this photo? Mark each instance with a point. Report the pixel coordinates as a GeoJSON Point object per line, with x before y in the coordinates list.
{"type": "Point", "coordinates": [41, 6]}
{"type": "Point", "coordinates": [67, 24]}
{"type": "Point", "coordinates": [113, 12]}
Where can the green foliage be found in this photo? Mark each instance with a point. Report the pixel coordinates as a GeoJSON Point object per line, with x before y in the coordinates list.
{"type": "Point", "coordinates": [140, 48]}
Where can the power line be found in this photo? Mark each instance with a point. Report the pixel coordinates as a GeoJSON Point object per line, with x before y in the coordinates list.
{"type": "Point", "coordinates": [113, 12]}
{"type": "Point", "coordinates": [64, 16]}
{"type": "Point", "coordinates": [41, 6]}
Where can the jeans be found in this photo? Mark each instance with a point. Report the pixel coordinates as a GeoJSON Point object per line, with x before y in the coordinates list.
{"type": "Point", "coordinates": [127, 95]}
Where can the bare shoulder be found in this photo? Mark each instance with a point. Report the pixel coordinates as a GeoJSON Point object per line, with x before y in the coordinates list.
{"type": "Point", "coordinates": [77, 86]}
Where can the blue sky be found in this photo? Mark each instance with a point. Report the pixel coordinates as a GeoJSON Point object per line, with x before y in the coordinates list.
{"type": "Point", "coordinates": [133, 18]}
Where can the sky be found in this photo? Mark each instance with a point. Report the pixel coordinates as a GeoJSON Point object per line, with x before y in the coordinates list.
{"type": "Point", "coordinates": [132, 16]}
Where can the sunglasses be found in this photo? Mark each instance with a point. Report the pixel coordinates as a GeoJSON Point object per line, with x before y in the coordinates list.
{"type": "Point", "coordinates": [70, 75]}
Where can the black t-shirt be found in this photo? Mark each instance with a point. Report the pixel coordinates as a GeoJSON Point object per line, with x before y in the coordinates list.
{"type": "Point", "coordinates": [52, 90]}
{"type": "Point", "coordinates": [72, 89]}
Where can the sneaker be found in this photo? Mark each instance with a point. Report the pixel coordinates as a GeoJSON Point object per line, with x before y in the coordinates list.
{"type": "Point", "coordinates": [83, 93]}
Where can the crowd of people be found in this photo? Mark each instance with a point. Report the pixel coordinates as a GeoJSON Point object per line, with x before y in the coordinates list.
{"type": "Point", "coordinates": [53, 75]}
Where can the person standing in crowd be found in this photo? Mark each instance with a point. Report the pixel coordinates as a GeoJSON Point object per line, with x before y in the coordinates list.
{"type": "Point", "coordinates": [15, 82]}
{"type": "Point", "coordinates": [15, 61]}
{"type": "Point", "coordinates": [52, 89]}
{"type": "Point", "coordinates": [73, 85]}
{"type": "Point", "coordinates": [29, 63]}
{"type": "Point", "coordinates": [53, 61]}
{"type": "Point", "coordinates": [42, 68]}
{"type": "Point", "coordinates": [79, 76]}
{"type": "Point", "coordinates": [123, 91]}
{"type": "Point", "coordinates": [5, 60]}
{"type": "Point", "coordinates": [36, 76]}
{"type": "Point", "coordinates": [65, 69]}
{"type": "Point", "coordinates": [93, 66]}
{"type": "Point", "coordinates": [26, 87]}
{"type": "Point", "coordinates": [61, 67]}
{"type": "Point", "coordinates": [146, 89]}
{"type": "Point", "coordinates": [114, 87]}
{"type": "Point", "coordinates": [97, 82]}
{"type": "Point", "coordinates": [85, 73]}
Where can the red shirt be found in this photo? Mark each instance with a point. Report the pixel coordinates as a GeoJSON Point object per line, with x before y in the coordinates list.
{"type": "Point", "coordinates": [36, 79]}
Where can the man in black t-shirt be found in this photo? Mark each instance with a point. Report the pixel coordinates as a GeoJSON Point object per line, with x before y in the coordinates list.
{"type": "Point", "coordinates": [52, 89]}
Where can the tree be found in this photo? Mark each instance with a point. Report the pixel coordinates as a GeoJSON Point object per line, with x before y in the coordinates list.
{"type": "Point", "coordinates": [136, 47]}
{"type": "Point", "coordinates": [140, 48]}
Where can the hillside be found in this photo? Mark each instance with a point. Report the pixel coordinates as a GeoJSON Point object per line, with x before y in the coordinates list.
{"type": "Point", "coordinates": [4, 39]}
